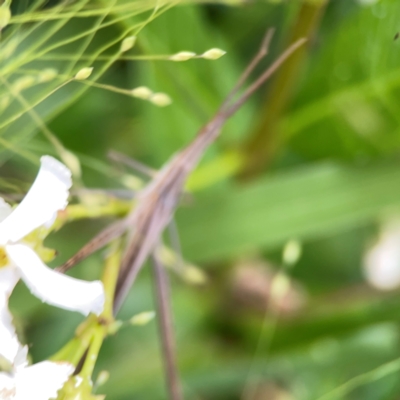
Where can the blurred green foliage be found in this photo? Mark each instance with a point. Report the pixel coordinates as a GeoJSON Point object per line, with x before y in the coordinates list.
{"type": "Point", "coordinates": [332, 176]}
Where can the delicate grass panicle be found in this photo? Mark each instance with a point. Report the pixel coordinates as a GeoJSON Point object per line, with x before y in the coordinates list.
{"type": "Point", "coordinates": [44, 49]}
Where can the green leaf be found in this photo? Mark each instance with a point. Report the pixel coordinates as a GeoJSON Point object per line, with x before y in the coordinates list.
{"type": "Point", "coordinates": [347, 103]}
{"type": "Point", "coordinates": [308, 203]}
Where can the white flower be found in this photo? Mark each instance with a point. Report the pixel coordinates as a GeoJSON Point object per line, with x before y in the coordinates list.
{"type": "Point", "coordinates": [41, 381]}
{"type": "Point", "coordinates": [48, 195]}
{"type": "Point", "coordinates": [382, 260]}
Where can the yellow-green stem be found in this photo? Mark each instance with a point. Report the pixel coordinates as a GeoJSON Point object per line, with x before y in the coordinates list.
{"type": "Point", "coordinates": [93, 352]}
{"type": "Point", "coordinates": [90, 333]}
{"type": "Point", "coordinates": [74, 350]}
{"type": "Point", "coordinates": [109, 279]}
{"type": "Point", "coordinates": [110, 276]}
{"type": "Point", "coordinates": [75, 212]}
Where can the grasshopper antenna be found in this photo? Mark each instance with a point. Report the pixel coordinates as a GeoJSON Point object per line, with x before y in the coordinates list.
{"type": "Point", "coordinates": [264, 77]}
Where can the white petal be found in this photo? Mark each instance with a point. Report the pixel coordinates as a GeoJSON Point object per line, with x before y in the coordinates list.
{"type": "Point", "coordinates": [41, 381]}
{"type": "Point", "coordinates": [53, 287]}
{"type": "Point", "coordinates": [9, 277]}
{"type": "Point", "coordinates": [21, 359]}
{"type": "Point", "coordinates": [7, 386]}
{"type": "Point", "coordinates": [9, 344]}
{"type": "Point", "coordinates": [47, 195]}
{"type": "Point", "coordinates": [5, 209]}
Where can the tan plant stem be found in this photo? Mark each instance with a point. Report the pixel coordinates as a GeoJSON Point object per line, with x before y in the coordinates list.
{"type": "Point", "coordinates": [166, 328]}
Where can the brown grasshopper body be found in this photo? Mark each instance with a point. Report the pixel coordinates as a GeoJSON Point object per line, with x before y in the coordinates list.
{"type": "Point", "coordinates": [157, 202]}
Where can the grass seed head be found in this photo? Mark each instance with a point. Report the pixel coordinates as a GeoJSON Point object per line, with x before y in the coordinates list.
{"type": "Point", "coordinates": [160, 99]}
{"type": "Point", "coordinates": [128, 43]}
{"type": "Point", "coordinates": [182, 56]}
{"type": "Point", "coordinates": [142, 92]}
{"type": "Point", "coordinates": [83, 73]}
{"type": "Point", "coordinates": [213, 54]}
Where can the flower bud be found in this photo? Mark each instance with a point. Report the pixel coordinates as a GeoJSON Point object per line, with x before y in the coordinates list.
{"type": "Point", "coordinates": [182, 56]}
{"type": "Point", "coordinates": [142, 318]}
{"type": "Point", "coordinates": [23, 83]}
{"type": "Point", "coordinates": [47, 75]}
{"type": "Point", "coordinates": [132, 182]}
{"type": "Point", "coordinates": [213, 54]}
{"type": "Point", "coordinates": [114, 327]}
{"type": "Point", "coordinates": [280, 285]}
{"type": "Point", "coordinates": [83, 73]}
{"type": "Point", "coordinates": [142, 92]}
{"type": "Point", "coordinates": [102, 378]}
{"type": "Point", "coordinates": [291, 252]}
{"type": "Point", "coordinates": [127, 43]}
{"type": "Point", "coordinates": [194, 275]}
{"type": "Point", "coordinates": [160, 99]}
